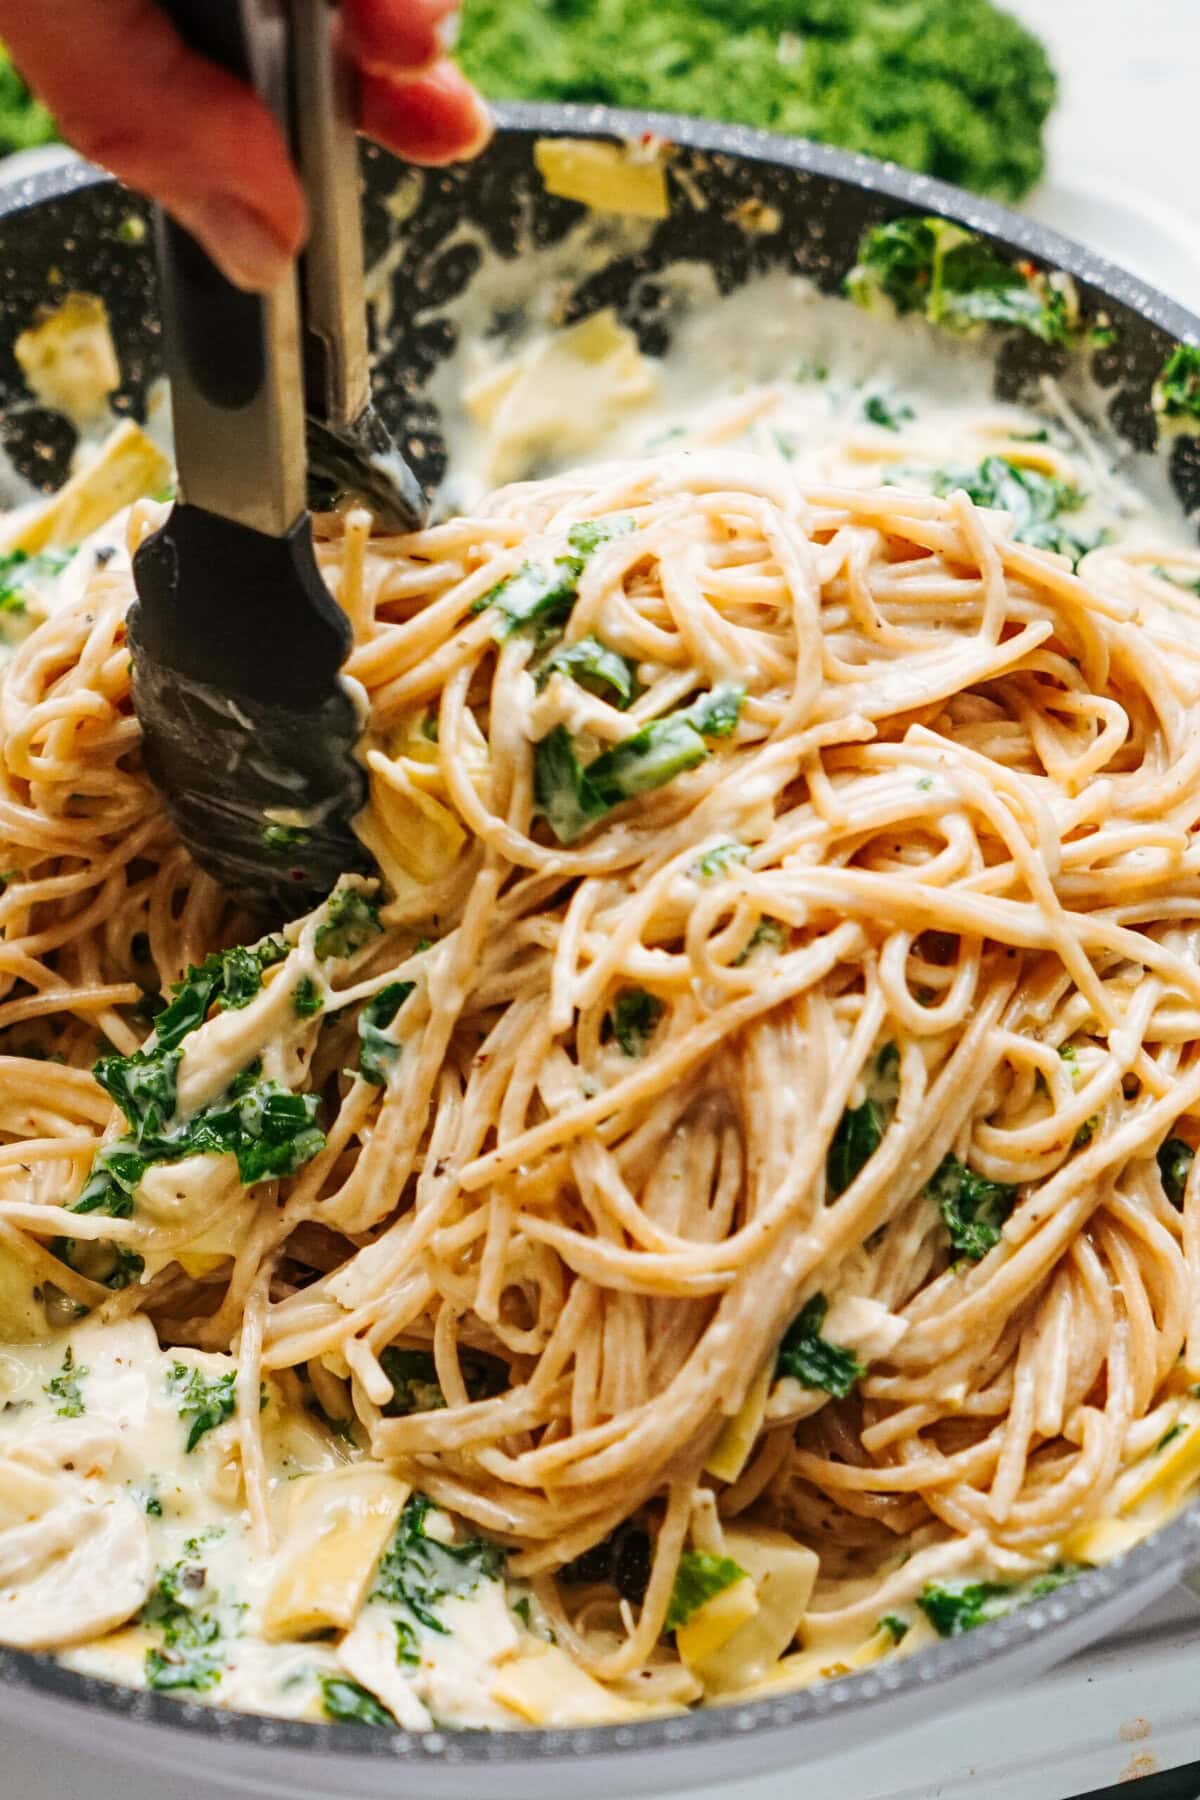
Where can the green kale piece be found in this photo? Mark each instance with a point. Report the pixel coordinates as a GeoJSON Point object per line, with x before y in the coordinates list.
{"type": "Point", "coordinates": [116, 1171]}
{"type": "Point", "coordinates": [857, 1138]}
{"type": "Point", "coordinates": [207, 1403]}
{"type": "Point", "coordinates": [1036, 502]}
{"type": "Point", "coordinates": [415, 1386]}
{"type": "Point", "coordinates": [571, 798]}
{"type": "Point", "coordinates": [890, 415]}
{"type": "Point", "coordinates": [634, 1019]}
{"type": "Point", "coordinates": [720, 859]}
{"type": "Point", "coordinates": [349, 1704]}
{"type": "Point", "coordinates": [957, 280]}
{"type": "Point", "coordinates": [351, 920]}
{"type": "Point", "coordinates": [595, 667]}
{"type": "Point", "coordinates": [189, 1657]}
{"type": "Point", "coordinates": [271, 1131]}
{"type": "Point", "coordinates": [1177, 390]}
{"type": "Point", "coordinates": [538, 597]}
{"type": "Point", "coordinates": [1175, 1159]}
{"type": "Point", "coordinates": [143, 1086]}
{"type": "Point", "coordinates": [307, 999]}
{"type": "Point", "coordinates": [225, 979]}
{"type": "Point", "coordinates": [587, 537]}
{"type": "Point", "coordinates": [418, 1571]}
{"type": "Point", "coordinates": [699, 1577]}
{"type": "Point", "coordinates": [973, 1207]}
{"type": "Point", "coordinates": [24, 121]}
{"type": "Point", "coordinates": [380, 1053]}
{"type": "Point", "coordinates": [65, 1387]}
{"type": "Point", "coordinates": [812, 1359]}
{"type": "Point", "coordinates": [768, 934]}
{"type": "Point", "coordinates": [955, 1607]}
{"type": "Point", "coordinates": [18, 569]}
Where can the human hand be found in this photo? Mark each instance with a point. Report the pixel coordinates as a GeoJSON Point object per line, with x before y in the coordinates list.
{"type": "Point", "coordinates": [129, 94]}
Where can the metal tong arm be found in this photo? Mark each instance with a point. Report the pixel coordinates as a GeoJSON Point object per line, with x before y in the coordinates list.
{"type": "Point", "coordinates": [245, 369]}
{"type": "Point", "coordinates": [233, 358]}
{"type": "Point", "coordinates": [333, 299]}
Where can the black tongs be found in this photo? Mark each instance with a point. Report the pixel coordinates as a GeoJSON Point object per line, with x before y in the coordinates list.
{"type": "Point", "coordinates": [249, 729]}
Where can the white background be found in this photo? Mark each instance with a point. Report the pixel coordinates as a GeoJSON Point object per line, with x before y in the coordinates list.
{"type": "Point", "coordinates": [1124, 174]}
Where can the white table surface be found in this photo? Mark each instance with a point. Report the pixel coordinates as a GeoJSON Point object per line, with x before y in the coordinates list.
{"type": "Point", "coordinates": [1123, 175]}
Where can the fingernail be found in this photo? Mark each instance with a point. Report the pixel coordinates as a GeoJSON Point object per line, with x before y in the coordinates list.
{"type": "Point", "coordinates": [447, 31]}
{"type": "Point", "coordinates": [238, 240]}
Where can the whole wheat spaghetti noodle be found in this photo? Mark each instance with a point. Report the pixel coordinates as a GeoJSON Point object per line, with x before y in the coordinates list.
{"type": "Point", "coordinates": [756, 1111]}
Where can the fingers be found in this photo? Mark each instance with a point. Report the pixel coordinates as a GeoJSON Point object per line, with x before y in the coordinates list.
{"type": "Point", "coordinates": [129, 95]}
{"type": "Point", "coordinates": [437, 119]}
{"type": "Point", "coordinates": [397, 37]}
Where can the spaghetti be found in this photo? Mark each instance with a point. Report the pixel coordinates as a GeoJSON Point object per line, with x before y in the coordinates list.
{"type": "Point", "coordinates": [777, 1087]}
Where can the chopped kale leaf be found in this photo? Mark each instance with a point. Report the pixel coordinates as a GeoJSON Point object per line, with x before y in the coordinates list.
{"type": "Point", "coordinates": [699, 1577]}
{"type": "Point", "coordinates": [720, 859]}
{"type": "Point", "coordinates": [283, 841]}
{"type": "Point", "coordinates": [957, 280]}
{"type": "Point", "coordinates": [349, 1704]}
{"type": "Point", "coordinates": [226, 979]}
{"type": "Point", "coordinates": [857, 1138]}
{"type": "Point", "coordinates": [1175, 1159]}
{"type": "Point", "coordinates": [955, 1607]}
{"type": "Point", "coordinates": [886, 414]}
{"type": "Point", "coordinates": [415, 1386]}
{"type": "Point", "coordinates": [351, 920]}
{"type": "Point", "coordinates": [812, 1359]}
{"type": "Point", "coordinates": [189, 1657]}
{"type": "Point", "coordinates": [206, 1403]}
{"type": "Point", "coordinates": [571, 797]}
{"type": "Point", "coordinates": [307, 999]}
{"type": "Point", "coordinates": [380, 1053]}
{"type": "Point", "coordinates": [973, 1207]}
{"type": "Point", "coordinates": [1035, 501]}
{"type": "Point", "coordinates": [64, 1387]}
{"type": "Point", "coordinates": [634, 1019]}
{"type": "Point", "coordinates": [1177, 390]}
{"type": "Point", "coordinates": [418, 1571]}
{"type": "Point", "coordinates": [595, 667]}
{"type": "Point", "coordinates": [538, 597]}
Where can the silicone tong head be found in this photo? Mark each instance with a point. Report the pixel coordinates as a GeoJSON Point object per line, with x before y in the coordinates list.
{"type": "Point", "coordinates": [360, 460]}
{"type": "Point", "coordinates": [248, 731]}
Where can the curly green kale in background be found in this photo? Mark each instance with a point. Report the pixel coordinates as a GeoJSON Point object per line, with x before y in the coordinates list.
{"type": "Point", "coordinates": [24, 121]}
{"type": "Point", "coordinates": [956, 88]}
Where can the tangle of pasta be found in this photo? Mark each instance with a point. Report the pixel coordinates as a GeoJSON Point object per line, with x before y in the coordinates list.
{"type": "Point", "coordinates": [888, 993]}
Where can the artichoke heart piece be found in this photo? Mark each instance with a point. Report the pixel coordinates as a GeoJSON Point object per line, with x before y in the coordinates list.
{"type": "Point", "coordinates": [544, 1687]}
{"type": "Point", "coordinates": [127, 466]}
{"type": "Point", "coordinates": [731, 1452]}
{"type": "Point", "coordinates": [783, 1574]}
{"type": "Point", "coordinates": [615, 178]}
{"type": "Point", "coordinates": [338, 1526]}
{"type": "Point", "coordinates": [410, 825]}
{"type": "Point", "coordinates": [713, 1624]}
{"type": "Point", "coordinates": [69, 360]}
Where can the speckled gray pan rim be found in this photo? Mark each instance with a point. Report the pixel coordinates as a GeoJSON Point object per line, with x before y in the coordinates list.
{"type": "Point", "coordinates": [1168, 1551]}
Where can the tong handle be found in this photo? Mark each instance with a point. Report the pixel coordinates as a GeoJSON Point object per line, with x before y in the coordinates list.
{"type": "Point", "coordinates": [237, 401]}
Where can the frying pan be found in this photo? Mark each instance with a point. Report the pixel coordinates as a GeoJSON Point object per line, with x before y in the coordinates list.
{"type": "Point", "coordinates": [74, 228]}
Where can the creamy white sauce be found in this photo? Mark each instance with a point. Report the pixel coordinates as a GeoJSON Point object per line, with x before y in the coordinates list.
{"type": "Point", "coordinates": [775, 368]}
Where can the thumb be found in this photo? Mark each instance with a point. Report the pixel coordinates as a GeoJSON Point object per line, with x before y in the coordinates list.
{"type": "Point", "coordinates": [128, 93]}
